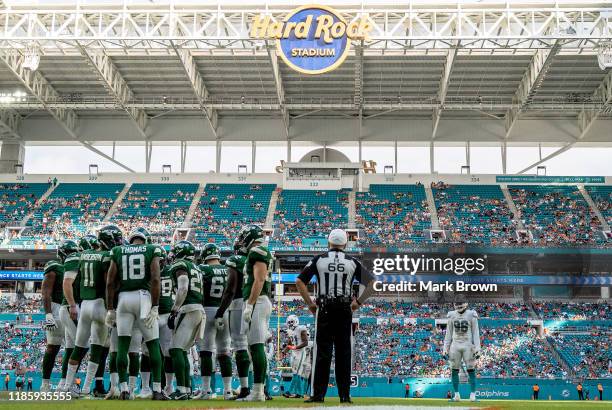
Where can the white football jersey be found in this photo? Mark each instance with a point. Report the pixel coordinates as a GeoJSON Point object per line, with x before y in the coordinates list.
{"type": "Point", "coordinates": [296, 336]}
{"type": "Point", "coordinates": [462, 328]}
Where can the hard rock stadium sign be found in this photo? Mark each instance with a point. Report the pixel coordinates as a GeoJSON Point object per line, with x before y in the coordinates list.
{"type": "Point", "coordinates": [312, 39]}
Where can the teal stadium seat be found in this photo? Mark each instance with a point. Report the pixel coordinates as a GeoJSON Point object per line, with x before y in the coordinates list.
{"type": "Point", "coordinates": [225, 208]}
{"type": "Point", "coordinates": [16, 200]}
{"type": "Point", "coordinates": [588, 354]}
{"type": "Point", "coordinates": [161, 208]}
{"type": "Point", "coordinates": [602, 196]}
{"type": "Point", "coordinates": [305, 217]}
{"type": "Point", "coordinates": [556, 214]}
{"type": "Point", "coordinates": [73, 210]}
{"type": "Point", "coordinates": [392, 215]}
{"type": "Point", "coordinates": [474, 214]}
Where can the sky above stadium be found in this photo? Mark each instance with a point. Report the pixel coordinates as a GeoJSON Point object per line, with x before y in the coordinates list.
{"type": "Point", "coordinates": [484, 160]}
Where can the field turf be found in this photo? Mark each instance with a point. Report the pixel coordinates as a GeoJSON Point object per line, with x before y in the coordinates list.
{"type": "Point", "coordinates": [372, 403]}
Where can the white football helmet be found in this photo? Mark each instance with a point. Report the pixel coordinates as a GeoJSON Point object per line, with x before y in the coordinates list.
{"type": "Point", "coordinates": [292, 322]}
{"type": "Point", "coordinates": [461, 303]}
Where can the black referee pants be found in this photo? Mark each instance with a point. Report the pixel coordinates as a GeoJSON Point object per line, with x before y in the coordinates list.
{"type": "Point", "coordinates": [334, 323]}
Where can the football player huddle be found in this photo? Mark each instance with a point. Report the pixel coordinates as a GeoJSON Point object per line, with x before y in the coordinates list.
{"type": "Point", "coordinates": [128, 302]}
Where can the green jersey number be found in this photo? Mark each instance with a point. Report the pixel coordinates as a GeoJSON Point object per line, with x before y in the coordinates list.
{"type": "Point", "coordinates": [196, 281]}
{"type": "Point", "coordinates": [133, 266]}
{"type": "Point", "coordinates": [216, 287]}
{"type": "Point", "coordinates": [88, 275]}
{"type": "Point", "coordinates": [166, 287]}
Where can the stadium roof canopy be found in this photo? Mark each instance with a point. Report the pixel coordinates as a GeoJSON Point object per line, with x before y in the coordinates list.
{"type": "Point", "coordinates": [485, 72]}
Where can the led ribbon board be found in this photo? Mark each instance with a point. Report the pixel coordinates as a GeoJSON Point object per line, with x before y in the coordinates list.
{"type": "Point", "coordinates": [312, 39]}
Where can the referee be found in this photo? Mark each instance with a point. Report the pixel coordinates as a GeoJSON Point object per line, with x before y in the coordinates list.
{"type": "Point", "coordinates": [335, 272]}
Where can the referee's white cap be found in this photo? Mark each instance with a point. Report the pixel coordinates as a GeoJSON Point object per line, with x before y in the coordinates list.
{"type": "Point", "coordinates": [337, 237]}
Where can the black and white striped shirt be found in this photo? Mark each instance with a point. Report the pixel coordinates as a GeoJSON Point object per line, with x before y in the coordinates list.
{"type": "Point", "coordinates": [335, 272]}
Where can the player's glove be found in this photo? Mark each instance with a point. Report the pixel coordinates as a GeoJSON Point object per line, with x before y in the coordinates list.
{"type": "Point", "coordinates": [172, 320]}
{"type": "Point", "coordinates": [247, 313]}
{"type": "Point", "coordinates": [219, 323]}
{"type": "Point", "coordinates": [476, 354]}
{"type": "Point", "coordinates": [49, 323]}
{"type": "Point", "coordinates": [445, 354]}
{"type": "Point", "coordinates": [152, 317]}
{"type": "Point", "coordinates": [111, 318]}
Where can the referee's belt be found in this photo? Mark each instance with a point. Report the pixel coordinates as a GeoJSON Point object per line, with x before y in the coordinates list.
{"type": "Point", "coordinates": [330, 300]}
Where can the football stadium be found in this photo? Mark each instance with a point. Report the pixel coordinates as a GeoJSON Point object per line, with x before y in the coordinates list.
{"type": "Point", "coordinates": [238, 204]}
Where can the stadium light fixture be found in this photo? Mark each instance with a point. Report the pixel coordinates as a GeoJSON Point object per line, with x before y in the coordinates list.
{"type": "Point", "coordinates": [14, 97]}
{"type": "Point", "coordinates": [93, 170]}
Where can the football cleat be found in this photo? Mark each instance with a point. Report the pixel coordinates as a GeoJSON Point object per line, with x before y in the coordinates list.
{"type": "Point", "coordinates": [456, 397]}
{"type": "Point", "coordinates": [159, 396]}
{"type": "Point", "coordinates": [313, 400]}
{"type": "Point", "coordinates": [125, 395]}
{"type": "Point", "coordinates": [112, 394]}
{"type": "Point", "coordinates": [253, 396]}
{"type": "Point", "coordinates": [168, 390]}
{"type": "Point", "coordinates": [145, 393]}
{"type": "Point", "coordinates": [75, 392]}
{"type": "Point", "coordinates": [473, 397]}
{"type": "Point", "coordinates": [177, 395]}
{"type": "Point", "coordinates": [228, 395]}
{"type": "Point", "coordinates": [203, 396]}
{"type": "Point", "coordinates": [244, 392]}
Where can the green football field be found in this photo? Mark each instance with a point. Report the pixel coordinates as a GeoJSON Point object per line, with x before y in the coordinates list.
{"type": "Point", "coordinates": [359, 403]}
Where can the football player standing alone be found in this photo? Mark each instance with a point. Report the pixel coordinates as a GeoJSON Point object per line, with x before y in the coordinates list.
{"type": "Point", "coordinates": [462, 344]}
{"type": "Point", "coordinates": [134, 273]}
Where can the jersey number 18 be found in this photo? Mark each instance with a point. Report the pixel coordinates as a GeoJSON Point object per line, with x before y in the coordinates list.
{"type": "Point", "coordinates": [133, 267]}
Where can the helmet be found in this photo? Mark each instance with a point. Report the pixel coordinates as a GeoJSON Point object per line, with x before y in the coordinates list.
{"type": "Point", "coordinates": [110, 236]}
{"type": "Point", "coordinates": [140, 232]}
{"type": "Point", "coordinates": [183, 250]}
{"type": "Point", "coordinates": [461, 303]}
{"type": "Point", "coordinates": [163, 259]}
{"type": "Point", "coordinates": [88, 242]}
{"type": "Point", "coordinates": [248, 235]}
{"type": "Point", "coordinates": [237, 248]}
{"type": "Point", "coordinates": [67, 248]}
{"type": "Point", "coordinates": [210, 251]}
{"type": "Point", "coordinates": [292, 322]}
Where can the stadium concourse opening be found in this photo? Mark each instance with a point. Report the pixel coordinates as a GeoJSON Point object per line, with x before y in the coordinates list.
{"type": "Point", "coordinates": [422, 188]}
